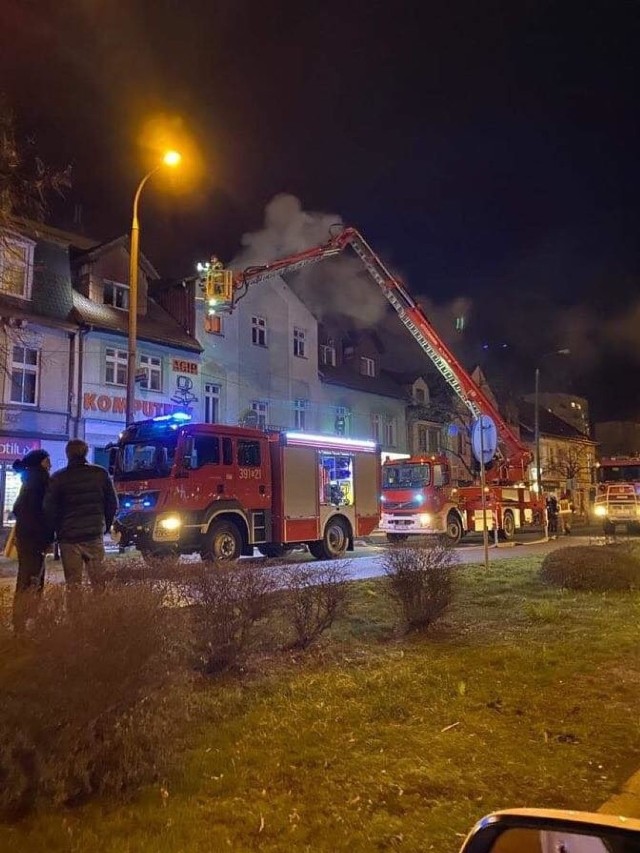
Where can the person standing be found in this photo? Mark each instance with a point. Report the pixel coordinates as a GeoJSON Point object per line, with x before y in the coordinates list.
{"type": "Point", "coordinates": [33, 535]}
{"type": "Point", "coordinates": [80, 505]}
{"type": "Point", "coordinates": [552, 516]}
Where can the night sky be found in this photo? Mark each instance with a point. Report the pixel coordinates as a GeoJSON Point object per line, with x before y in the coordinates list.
{"type": "Point", "coordinates": [487, 150]}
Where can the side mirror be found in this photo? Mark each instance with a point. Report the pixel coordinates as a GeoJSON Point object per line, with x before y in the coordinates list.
{"type": "Point", "coordinates": [549, 831]}
{"type": "Point", "coordinates": [111, 460]}
{"type": "Point", "coordinates": [186, 461]}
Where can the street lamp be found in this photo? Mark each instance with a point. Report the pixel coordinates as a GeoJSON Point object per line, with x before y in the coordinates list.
{"type": "Point", "coordinates": [536, 413]}
{"type": "Point", "coordinates": [171, 158]}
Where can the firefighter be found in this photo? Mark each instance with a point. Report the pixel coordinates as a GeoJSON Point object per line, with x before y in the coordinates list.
{"type": "Point", "coordinates": [566, 511]}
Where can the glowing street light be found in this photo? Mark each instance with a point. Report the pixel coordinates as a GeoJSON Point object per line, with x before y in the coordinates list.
{"type": "Point", "coordinates": [171, 159]}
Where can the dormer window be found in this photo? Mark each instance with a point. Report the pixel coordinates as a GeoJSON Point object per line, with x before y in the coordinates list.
{"type": "Point", "coordinates": [367, 366]}
{"type": "Point", "coordinates": [116, 295]}
{"type": "Point", "coordinates": [328, 354]}
{"type": "Point", "coordinates": [16, 266]}
{"type": "Point", "coordinates": [420, 396]}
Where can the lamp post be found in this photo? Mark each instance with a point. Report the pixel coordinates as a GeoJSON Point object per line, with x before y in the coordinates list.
{"type": "Point", "coordinates": [536, 415]}
{"type": "Point", "coordinates": [171, 158]}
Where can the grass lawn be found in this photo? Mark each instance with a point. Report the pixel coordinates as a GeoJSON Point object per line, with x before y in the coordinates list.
{"type": "Point", "coordinates": [522, 695]}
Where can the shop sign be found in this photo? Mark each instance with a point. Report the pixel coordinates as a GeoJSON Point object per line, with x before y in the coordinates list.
{"type": "Point", "coordinates": [109, 404]}
{"type": "Point", "coordinates": [178, 365]}
{"type": "Point", "coordinates": [16, 448]}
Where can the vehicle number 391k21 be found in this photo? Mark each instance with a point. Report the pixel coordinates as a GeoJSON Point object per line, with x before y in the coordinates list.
{"type": "Point", "coordinates": [250, 473]}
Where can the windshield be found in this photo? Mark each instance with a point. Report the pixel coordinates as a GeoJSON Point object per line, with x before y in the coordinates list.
{"type": "Point", "coordinates": [405, 476]}
{"type": "Point", "coordinates": [145, 459]}
{"type": "Point", "coordinates": [618, 474]}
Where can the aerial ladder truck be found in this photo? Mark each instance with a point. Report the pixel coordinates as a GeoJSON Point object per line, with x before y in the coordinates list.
{"type": "Point", "coordinates": [418, 496]}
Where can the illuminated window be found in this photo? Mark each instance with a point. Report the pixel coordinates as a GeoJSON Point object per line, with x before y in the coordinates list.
{"type": "Point", "coordinates": [213, 324]}
{"type": "Point", "coordinates": [16, 267]}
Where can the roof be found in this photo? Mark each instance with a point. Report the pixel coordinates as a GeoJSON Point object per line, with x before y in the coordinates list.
{"type": "Point", "coordinates": [156, 326]}
{"type": "Point", "coordinates": [550, 424]}
{"type": "Point", "coordinates": [42, 231]}
{"type": "Point", "coordinates": [382, 384]}
{"type": "Point", "coordinates": [98, 249]}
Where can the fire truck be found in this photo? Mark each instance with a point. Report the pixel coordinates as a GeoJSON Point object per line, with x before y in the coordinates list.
{"type": "Point", "coordinates": [417, 494]}
{"type": "Point", "coordinates": [617, 498]}
{"type": "Point", "coordinates": [222, 491]}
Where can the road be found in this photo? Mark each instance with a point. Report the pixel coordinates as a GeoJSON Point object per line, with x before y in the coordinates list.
{"type": "Point", "coordinates": [367, 559]}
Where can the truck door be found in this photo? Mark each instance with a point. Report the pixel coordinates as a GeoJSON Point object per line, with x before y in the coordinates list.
{"type": "Point", "coordinates": [203, 481]}
{"type": "Point", "coordinates": [253, 486]}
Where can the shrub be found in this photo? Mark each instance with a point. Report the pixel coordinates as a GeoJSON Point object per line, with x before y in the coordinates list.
{"type": "Point", "coordinates": [229, 599]}
{"type": "Point", "coordinates": [88, 703]}
{"type": "Point", "coordinates": [312, 598]}
{"type": "Point", "coordinates": [592, 567]}
{"type": "Point", "coordinates": [420, 579]}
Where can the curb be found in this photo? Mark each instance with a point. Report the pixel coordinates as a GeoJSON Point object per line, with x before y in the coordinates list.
{"type": "Point", "coordinates": [626, 801]}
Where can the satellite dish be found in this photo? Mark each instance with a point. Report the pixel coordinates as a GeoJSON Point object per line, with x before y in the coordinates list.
{"type": "Point", "coordinates": [484, 439]}
{"type": "Point", "coordinates": [249, 418]}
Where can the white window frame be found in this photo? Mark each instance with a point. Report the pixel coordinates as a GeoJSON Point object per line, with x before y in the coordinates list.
{"type": "Point", "coordinates": [116, 358]}
{"type": "Point", "coordinates": [367, 366]}
{"type": "Point", "coordinates": [6, 244]}
{"type": "Point", "coordinates": [345, 413]}
{"type": "Point", "coordinates": [152, 365]}
{"type": "Point", "coordinates": [117, 288]}
{"type": "Point", "coordinates": [328, 355]}
{"type": "Point", "coordinates": [25, 368]}
{"type": "Point", "coordinates": [299, 343]}
{"type": "Point", "coordinates": [258, 331]}
{"type": "Point", "coordinates": [211, 403]}
{"type": "Point", "coordinates": [300, 408]}
{"type": "Point", "coordinates": [261, 408]}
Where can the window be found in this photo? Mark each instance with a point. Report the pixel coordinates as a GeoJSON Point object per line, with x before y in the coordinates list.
{"type": "Point", "coordinates": [299, 343]}
{"type": "Point", "coordinates": [116, 295]}
{"type": "Point", "coordinates": [390, 432]}
{"type": "Point", "coordinates": [24, 375]}
{"type": "Point", "coordinates": [248, 453]}
{"type": "Point", "coordinates": [262, 410]}
{"type": "Point", "coordinates": [342, 420]}
{"type": "Point", "coordinates": [116, 366]}
{"type": "Point", "coordinates": [259, 331]}
{"type": "Point", "coordinates": [367, 366]}
{"type": "Point", "coordinates": [423, 439]}
{"type": "Point", "coordinates": [420, 396]}
{"type": "Point", "coordinates": [376, 427]}
{"type": "Point", "coordinates": [328, 355]}
{"type": "Point", "coordinates": [227, 451]}
{"type": "Point", "coordinates": [153, 369]}
{"type": "Point", "coordinates": [300, 414]}
{"type": "Point", "coordinates": [211, 403]}
{"type": "Point", "coordinates": [213, 324]}
{"type": "Point", "coordinates": [16, 266]}
{"type": "Point", "coordinates": [206, 451]}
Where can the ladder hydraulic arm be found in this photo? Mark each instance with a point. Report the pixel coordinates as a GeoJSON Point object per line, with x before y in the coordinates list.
{"type": "Point", "coordinates": [513, 455]}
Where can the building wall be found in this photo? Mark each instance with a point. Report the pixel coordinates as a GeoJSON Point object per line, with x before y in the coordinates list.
{"type": "Point", "coordinates": [567, 465]}
{"type": "Point", "coordinates": [572, 409]}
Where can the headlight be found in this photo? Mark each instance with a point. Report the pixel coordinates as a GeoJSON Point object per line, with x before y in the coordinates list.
{"type": "Point", "coordinates": [172, 522]}
{"type": "Point", "coordinates": [600, 510]}
{"type": "Point", "coordinates": [425, 519]}
{"type": "Point", "coordinates": [419, 498]}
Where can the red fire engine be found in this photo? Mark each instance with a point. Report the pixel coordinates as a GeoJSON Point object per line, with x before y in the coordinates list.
{"type": "Point", "coordinates": [417, 494]}
{"type": "Point", "coordinates": [617, 499]}
{"type": "Point", "coordinates": [222, 490]}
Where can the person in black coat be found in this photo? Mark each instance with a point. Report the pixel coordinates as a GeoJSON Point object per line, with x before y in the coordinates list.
{"type": "Point", "coordinates": [33, 535]}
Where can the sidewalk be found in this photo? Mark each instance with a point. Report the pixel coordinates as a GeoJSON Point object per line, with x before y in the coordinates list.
{"type": "Point", "coordinates": [627, 801]}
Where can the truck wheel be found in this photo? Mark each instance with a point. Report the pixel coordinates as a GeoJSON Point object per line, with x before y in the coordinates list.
{"type": "Point", "coordinates": [274, 551]}
{"type": "Point", "coordinates": [454, 528]}
{"type": "Point", "coordinates": [397, 537]}
{"type": "Point", "coordinates": [223, 541]}
{"type": "Point", "coordinates": [508, 526]}
{"type": "Point", "coordinates": [334, 542]}
{"type": "Point", "coordinates": [609, 528]}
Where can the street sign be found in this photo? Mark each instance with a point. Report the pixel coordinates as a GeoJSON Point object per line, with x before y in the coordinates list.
{"type": "Point", "coordinates": [484, 439]}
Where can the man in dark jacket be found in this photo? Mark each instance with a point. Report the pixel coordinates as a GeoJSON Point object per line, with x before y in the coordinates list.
{"type": "Point", "coordinates": [80, 506]}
